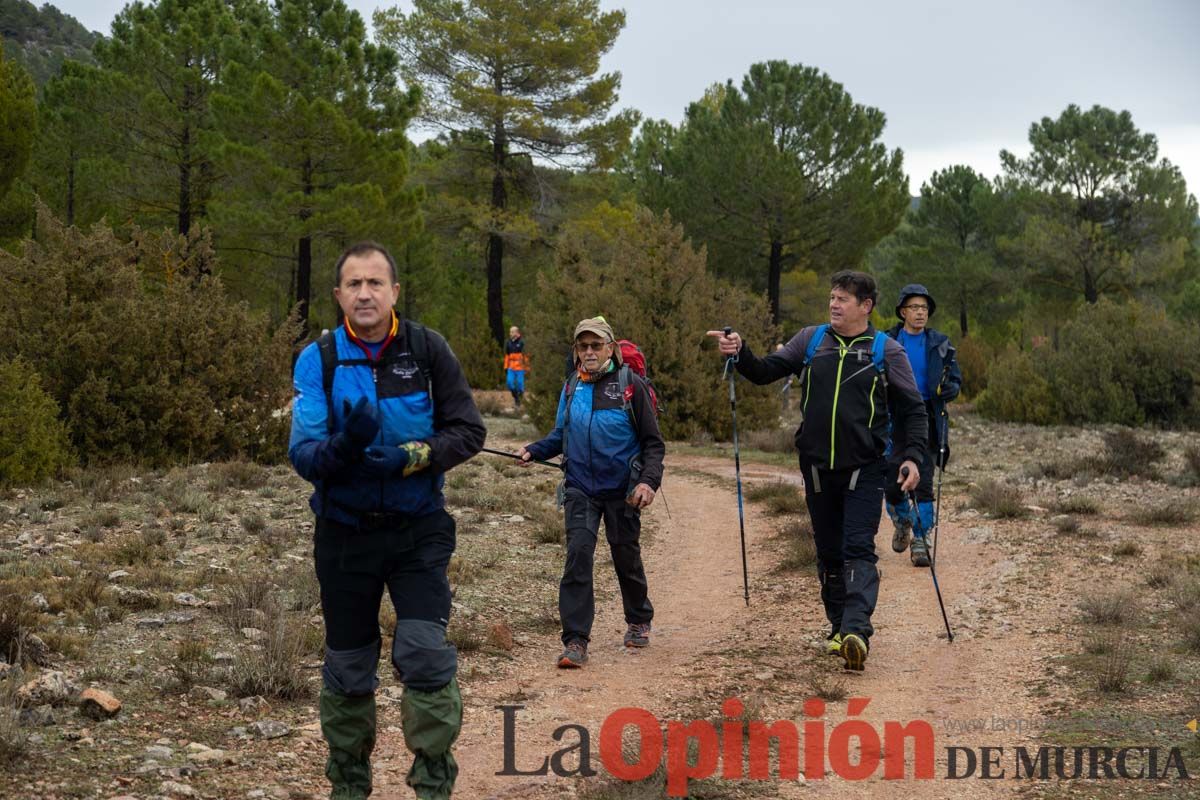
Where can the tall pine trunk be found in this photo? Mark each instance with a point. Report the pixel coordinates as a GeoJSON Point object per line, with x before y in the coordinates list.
{"type": "Point", "coordinates": [304, 257]}
{"type": "Point", "coordinates": [185, 182]}
{"type": "Point", "coordinates": [774, 276]}
{"type": "Point", "coordinates": [495, 244]}
{"type": "Point", "coordinates": [71, 188]}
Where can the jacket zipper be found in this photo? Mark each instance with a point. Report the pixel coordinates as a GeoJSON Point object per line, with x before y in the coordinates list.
{"type": "Point", "coordinates": [378, 413]}
{"type": "Point", "coordinates": [843, 349]}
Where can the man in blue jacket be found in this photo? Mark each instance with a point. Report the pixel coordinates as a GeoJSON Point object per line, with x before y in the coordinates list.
{"type": "Point", "coordinates": [381, 411]}
{"type": "Point", "coordinates": [608, 434]}
{"type": "Point", "coordinates": [939, 379]}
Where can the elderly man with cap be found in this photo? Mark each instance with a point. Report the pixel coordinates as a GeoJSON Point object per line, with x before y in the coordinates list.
{"type": "Point", "coordinates": [608, 436]}
{"type": "Point", "coordinates": [939, 379]}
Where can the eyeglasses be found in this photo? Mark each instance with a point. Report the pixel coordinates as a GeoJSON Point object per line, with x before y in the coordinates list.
{"type": "Point", "coordinates": [915, 307]}
{"type": "Point", "coordinates": [597, 346]}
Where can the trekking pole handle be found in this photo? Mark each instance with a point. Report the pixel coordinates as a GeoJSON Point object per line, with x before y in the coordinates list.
{"type": "Point", "coordinates": [904, 474]}
{"type": "Point", "coordinates": [729, 362]}
{"type": "Point", "coordinates": [728, 333]}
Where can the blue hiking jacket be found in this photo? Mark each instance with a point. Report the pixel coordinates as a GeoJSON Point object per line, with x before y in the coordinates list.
{"type": "Point", "coordinates": [447, 421]}
{"type": "Point", "coordinates": [602, 441]}
{"type": "Point", "coordinates": [943, 378]}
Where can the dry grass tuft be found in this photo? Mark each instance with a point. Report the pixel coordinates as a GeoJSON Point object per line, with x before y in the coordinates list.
{"type": "Point", "coordinates": [998, 499]}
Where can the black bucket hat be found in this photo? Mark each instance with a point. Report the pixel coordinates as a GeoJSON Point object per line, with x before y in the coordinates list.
{"type": "Point", "coordinates": [915, 290]}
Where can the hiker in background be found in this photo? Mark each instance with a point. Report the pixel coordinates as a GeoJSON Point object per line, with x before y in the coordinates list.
{"type": "Point", "coordinates": [515, 364]}
{"type": "Point", "coordinates": [607, 432]}
{"type": "Point", "coordinates": [852, 380]}
{"type": "Point", "coordinates": [381, 411]}
{"type": "Point", "coordinates": [936, 372]}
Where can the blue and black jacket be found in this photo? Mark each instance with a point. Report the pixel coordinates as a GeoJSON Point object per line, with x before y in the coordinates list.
{"type": "Point", "coordinates": [943, 378]}
{"type": "Point", "coordinates": [604, 438]}
{"type": "Point", "coordinates": [443, 415]}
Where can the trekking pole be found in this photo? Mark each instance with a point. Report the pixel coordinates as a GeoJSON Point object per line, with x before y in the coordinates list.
{"type": "Point", "coordinates": [737, 462]}
{"type": "Point", "coordinates": [912, 498]}
{"type": "Point", "coordinates": [941, 467]}
{"type": "Point", "coordinates": [518, 458]}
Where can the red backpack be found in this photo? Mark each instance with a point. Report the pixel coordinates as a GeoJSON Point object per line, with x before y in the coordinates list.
{"type": "Point", "coordinates": [633, 357]}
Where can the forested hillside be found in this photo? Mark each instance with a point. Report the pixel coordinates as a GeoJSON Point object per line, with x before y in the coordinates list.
{"type": "Point", "coordinates": [485, 146]}
{"type": "Point", "coordinates": [42, 39]}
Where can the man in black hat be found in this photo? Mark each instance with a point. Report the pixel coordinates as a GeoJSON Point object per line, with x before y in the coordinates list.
{"type": "Point", "coordinates": [939, 380]}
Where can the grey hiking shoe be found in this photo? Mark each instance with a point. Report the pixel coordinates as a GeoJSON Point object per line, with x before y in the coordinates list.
{"type": "Point", "coordinates": [902, 536]}
{"type": "Point", "coordinates": [637, 634]}
{"type": "Point", "coordinates": [919, 553]}
{"type": "Point", "coordinates": [574, 655]}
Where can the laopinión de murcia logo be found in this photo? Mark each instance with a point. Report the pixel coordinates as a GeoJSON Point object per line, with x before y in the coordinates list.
{"type": "Point", "coordinates": [734, 748]}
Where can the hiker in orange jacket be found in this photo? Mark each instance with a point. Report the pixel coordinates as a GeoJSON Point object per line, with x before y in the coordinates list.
{"type": "Point", "coordinates": [515, 364]}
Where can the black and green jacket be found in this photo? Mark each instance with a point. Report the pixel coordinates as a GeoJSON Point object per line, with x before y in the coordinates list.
{"type": "Point", "coordinates": [847, 403]}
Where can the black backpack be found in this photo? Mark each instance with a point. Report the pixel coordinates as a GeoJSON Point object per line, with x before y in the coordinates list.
{"type": "Point", "coordinates": [418, 350]}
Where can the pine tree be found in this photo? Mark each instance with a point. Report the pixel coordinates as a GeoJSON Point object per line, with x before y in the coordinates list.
{"type": "Point", "coordinates": [313, 134]}
{"type": "Point", "coordinates": [163, 62]}
{"type": "Point", "coordinates": [513, 81]}
{"type": "Point", "coordinates": [1106, 215]}
{"type": "Point", "coordinates": [18, 127]}
{"type": "Point", "coordinates": [72, 172]}
{"type": "Point", "coordinates": [785, 173]}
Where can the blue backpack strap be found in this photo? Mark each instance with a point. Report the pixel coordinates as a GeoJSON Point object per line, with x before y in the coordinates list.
{"type": "Point", "coordinates": [878, 355]}
{"type": "Point", "coordinates": [815, 342]}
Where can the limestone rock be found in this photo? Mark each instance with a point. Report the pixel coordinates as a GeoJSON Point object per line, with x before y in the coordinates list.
{"type": "Point", "coordinates": [99, 704]}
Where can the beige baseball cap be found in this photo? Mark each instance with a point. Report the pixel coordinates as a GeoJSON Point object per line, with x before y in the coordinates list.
{"type": "Point", "coordinates": [600, 327]}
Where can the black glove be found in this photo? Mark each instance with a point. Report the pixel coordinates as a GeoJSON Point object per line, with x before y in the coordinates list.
{"type": "Point", "coordinates": [362, 423]}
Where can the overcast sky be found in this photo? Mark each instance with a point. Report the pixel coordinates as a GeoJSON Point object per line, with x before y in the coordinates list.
{"type": "Point", "coordinates": [958, 81]}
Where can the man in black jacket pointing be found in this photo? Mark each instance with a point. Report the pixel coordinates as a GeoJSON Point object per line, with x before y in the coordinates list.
{"type": "Point", "coordinates": [853, 380]}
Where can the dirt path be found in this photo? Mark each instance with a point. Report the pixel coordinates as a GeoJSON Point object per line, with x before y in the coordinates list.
{"type": "Point", "coordinates": [706, 643]}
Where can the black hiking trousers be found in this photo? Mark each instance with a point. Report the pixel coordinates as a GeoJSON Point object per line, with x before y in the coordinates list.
{"type": "Point", "coordinates": [355, 566]}
{"type": "Point", "coordinates": [845, 509]}
{"type": "Point", "coordinates": [623, 529]}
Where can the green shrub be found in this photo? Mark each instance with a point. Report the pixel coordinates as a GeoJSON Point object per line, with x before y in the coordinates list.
{"type": "Point", "coordinates": [974, 360]}
{"type": "Point", "coordinates": [1123, 363]}
{"type": "Point", "coordinates": [1146, 373]}
{"type": "Point", "coordinates": [481, 358]}
{"type": "Point", "coordinates": [142, 348]}
{"type": "Point", "coordinates": [33, 440]}
{"type": "Point", "coordinates": [1017, 392]}
{"type": "Point", "coordinates": [641, 273]}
